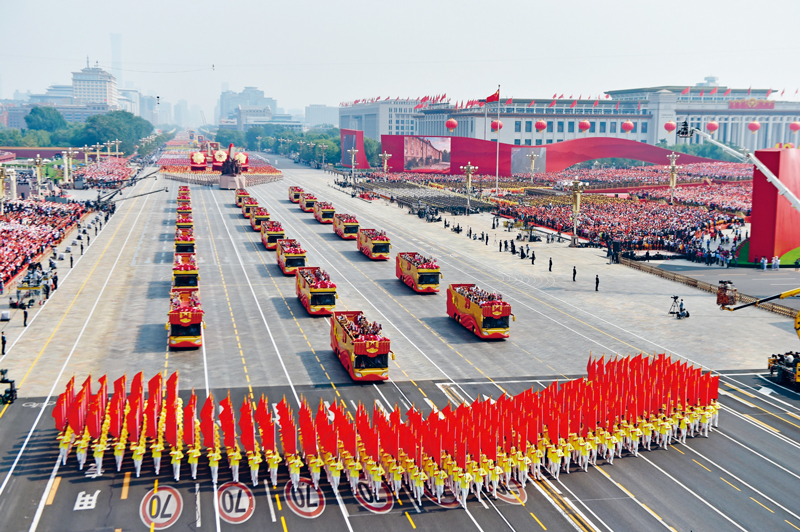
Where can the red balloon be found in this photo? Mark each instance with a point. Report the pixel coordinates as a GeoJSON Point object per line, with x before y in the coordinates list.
{"type": "Point", "coordinates": [451, 124]}
{"type": "Point", "coordinates": [712, 126]}
{"type": "Point", "coordinates": [670, 126]}
{"type": "Point", "coordinates": [753, 126]}
{"type": "Point", "coordinates": [584, 126]}
{"type": "Point", "coordinates": [795, 127]}
{"type": "Point", "coordinates": [627, 126]}
{"type": "Point", "coordinates": [497, 125]}
{"type": "Point", "coordinates": [540, 125]}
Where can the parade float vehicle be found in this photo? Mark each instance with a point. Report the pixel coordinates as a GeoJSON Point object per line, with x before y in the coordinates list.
{"type": "Point", "coordinates": [271, 232]}
{"type": "Point", "coordinates": [323, 212]}
{"type": "Point", "coordinates": [290, 255]}
{"type": "Point", "coordinates": [257, 216]}
{"type": "Point", "coordinates": [248, 204]}
{"type": "Point", "coordinates": [185, 275]}
{"type": "Point", "coordinates": [307, 201]}
{"type": "Point", "coordinates": [346, 226]}
{"type": "Point", "coordinates": [184, 240]}
{"type": "Point", "coordinates": [419, 272]}
{"type": "Point", "coordinates": [484, 313]}
{"type": "Point", "coordinates": [183, 188]}
{"type": "Point", "coordinates": [368, 195]}
{"type": "Point", "coordinates": [184, 221]}
{"type": "Point", "coordinates": [786, 365]}
{"type": "Point", "coordinates": [184, 207]}
{"type": "Point", "coordinates": [185, 319]}
{"type": "Point", "coordinates": [315, 290]}
{"type": "Point", "coordinates": [360, 347]}
{"type": "Point", "coordinates": [240, 195]}
{"type": "Point", "coordinates": [294, 194]}
{"type": "Point", "coordinates": [374, 244]}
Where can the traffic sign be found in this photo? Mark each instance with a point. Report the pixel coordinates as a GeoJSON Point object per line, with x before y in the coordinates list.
{"type": "Point", "coordinates": [448, 499]}
{"type": "Point", "coordinates": [236, 502]}
{"type": "Point", "coordinates": [161, 509]}
{"type": "Point", "coordinates": [516, 495]}
{"type": "Point", "coordinates": [307, 501]}
{"type": "Point", "coordinates": [383, 505]}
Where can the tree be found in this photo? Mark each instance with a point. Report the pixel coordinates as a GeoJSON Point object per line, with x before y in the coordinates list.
{"type": "Point", "coordinates": [225, 137]}
{"type": "Point", "coordinates": [116, 125]}
{"type": "Point", "coordinates": [45, 119]}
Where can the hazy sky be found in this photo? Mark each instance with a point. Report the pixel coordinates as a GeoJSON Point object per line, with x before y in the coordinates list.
{"type": "Point", "coordinates": [304, 52]}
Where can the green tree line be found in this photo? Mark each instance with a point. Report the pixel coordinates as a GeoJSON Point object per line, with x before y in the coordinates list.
{"type": "Point", "coordinates": [47, 127]}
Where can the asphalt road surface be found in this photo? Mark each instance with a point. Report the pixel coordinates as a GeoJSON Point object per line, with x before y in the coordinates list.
{"type": "Point", "coordinates": [108, 318]}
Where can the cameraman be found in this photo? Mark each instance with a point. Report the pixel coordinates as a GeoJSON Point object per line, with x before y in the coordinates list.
{"type": "Point", "coordinates": [682, 312]}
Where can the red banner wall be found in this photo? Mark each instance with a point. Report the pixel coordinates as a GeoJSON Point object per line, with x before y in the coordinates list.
{"type": "Point", "coordinates": [353, 138]}
{"type": "Point", "coordinates": [775, 222]}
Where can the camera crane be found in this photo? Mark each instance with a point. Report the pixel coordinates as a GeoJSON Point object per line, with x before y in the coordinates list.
{"type": "Point", "coordinates": [686, 132]}
{"type": "Point", "coordinates": [109, 197]}
{"type": "Point", "coordinates": [788, 364]}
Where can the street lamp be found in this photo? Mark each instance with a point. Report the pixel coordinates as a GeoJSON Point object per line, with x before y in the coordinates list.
{"type": "Point", "coordinates": [673, 175]}
{"type": "Point", "coordinates": [323, 146]}
{"type": "Point", "coordinates": [38, 163]}
{"type": "Point", "coordinates": [352, 152]}
{"type": "Point", "coordinates": [108, 147]}
{"type": "Point", "coordinates": [97, 148]}
{"type": "Point", "coordinates": [468, 171]}
{"type": "Point", "coordinates": [577, 190]}
{"type": "Point", "coordinates": [117, 142]}
{"type": "Point", "coordinates": [259, 142]}
{"type": "Point", "coordinates": [532, 156]}
{"type": "Point", "coordinates": [385, 160]}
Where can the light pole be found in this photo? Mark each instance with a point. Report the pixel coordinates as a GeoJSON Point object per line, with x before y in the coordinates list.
{"type": "Point", "coordinates": [117, 142]}
{"type": "Point", "coordinates": [673, 175]}
{"type": "Point", "coordinates": [259, 142]}
{"type": "Point", "coordinates": [577, 190]}
{"type": "Point", "coordinates": [323, 146]}
{"type": "Point", "coordinates": [468, 171]}
{"type": "Point", "coordinates": [311, 146]}
{"type": "Point", "coordinates": [385, 160]}
{"type": "Point", "coordinates": [97, 148]}
{"type": "Point", "coordinates": [108, 148]}
{"type": "Point", "coordinates": [532, 156]}
{"type": "Point", "coordinates": [38, 163]}
{"type": "Point", "coordinates": [352, 152]}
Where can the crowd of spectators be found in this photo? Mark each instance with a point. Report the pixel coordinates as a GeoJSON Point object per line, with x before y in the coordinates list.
{"type": "Point", "coordinates": [725, 197]}
{"type": "Point", "coordinates": [28, 227]}
{"type": "Point", "coordinates": [106, 173]}
{"type": "Point", "coordinates": [637, 225]}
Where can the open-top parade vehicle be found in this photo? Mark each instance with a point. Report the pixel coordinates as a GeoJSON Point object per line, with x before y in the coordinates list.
{"type": "Point", "coordinates": [241, 194]}
{"type": "Point", "coordinates": [257, 216]}
{"type": "Point", "coordinates": [323, 212]}
{"type": "Point", "coordinates": [346, 226]}
{"type": "Point", "coordinates": [271, 232]}
{"type": "Point", "coordinates": [185, 274]}
{"type": "Point", "coordinates": [307, 201]}
{"type": "Point", "coordinates": [184, 220]}
{"type": "Point", "coordinates": [484, 313]}
{"type": "Point", "coordinates": [419, 272]}
{"type": "Point", "coordinates": [315, 290]}
{"type": "Point", "coordinates": [185, 319]}
{"type": "Point", "coordinates": [184, 240]}
{"type": "Point", "coordinates": [294, 194]}
{"type": "Point", "coordinates": [374, 244]}
{"type": "Point", "coordinates": [248, 204]}
{"type": "Point", "coordinates": [290, 255]}
{"type": "Point", "coordinates": [360, 346]}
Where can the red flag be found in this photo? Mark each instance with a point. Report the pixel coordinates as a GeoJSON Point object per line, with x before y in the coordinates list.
{"type": "Point", "coordinates": [134, 421]}
{"type": "Point", "coordinates": [246, 424]}
{"type": "Point", "coordinates": [115, 411]}
{"type": "Point", "coordinates": [608, 96]}
{"type": "Point", "coordinates": [418, 106]}
{"type": "Point", "coordinates": [551, 104]}
{"type": "Point", "coordinates": [154, 390]}
{"type": "Point", "coordinates": [685, 91]}
{"type": "Point", "coordinates": [570, 96]}
{"type": "Point", "coordinates": [493, 97]}
{"type": "Point", "coordinates": [207, 422]}
{"type": "Point", "coordinates": [769, 92]}
{"type": "Point", "coordinates": [555, 96]}
{"type": "Point", "coordinates": [727, 92]}
{"type": "Point", "coordinates": [119, 386]}
{"type": "Point", "coordinates": [596, 102]}
{"type": "Point", "coordinates": [77, 413]}
{"type": "Point", "coordinates": [561, 97]}
{"type": "Point", "coordinates": [532, 102]}
{"type": "Point", "coordinates": [171, 425]}
{"type": "Point", "coordinates": [265, 424]}
{"type": "Point", "coordinates": [172, 388]}
{"type": "Point", "coordinates": [152, 412]}
{"type": "Point", "coordinates": [748, 91]}
{"type": "Point", "coordinates": [60, 412]}
{"type": "Point", "coordinates": [94, 421]}
{"type": "Point", "coordinates": [784, 90]}
{"type": "Point", "coordinates": [713, 91]}
{"type": "Point", "coordinates": [701, 92]}
{"type": "Point", "coordinates": [617, 106]}
{"type": "Point", "coordinates": [227, 421]}
{"type": "Point", "coordinates": [188, 420]}
{"type": "Point", "coordinates": [639, 107]}
{"type": "Point", "coordinates": [509, 101]}
{"type": "Point", "coordinates": [573, 104]}
{"type": "Point", "coordinates": [481, 104]}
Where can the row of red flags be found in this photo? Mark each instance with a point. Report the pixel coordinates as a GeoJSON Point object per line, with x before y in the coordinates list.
{"type": "Point", "coordinates": [630, 388]}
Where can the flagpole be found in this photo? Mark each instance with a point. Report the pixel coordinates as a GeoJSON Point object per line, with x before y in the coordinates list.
{"type": "Point", "coordinates": [497, 161]}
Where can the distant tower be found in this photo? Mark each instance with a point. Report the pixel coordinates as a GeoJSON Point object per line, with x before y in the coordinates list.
{"type": "Point", "coordinates": [116, 57]}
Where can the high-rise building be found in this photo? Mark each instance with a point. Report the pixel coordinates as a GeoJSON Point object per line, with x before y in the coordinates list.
{"type": "Point", "coordinates": [318, 115]}
{"type": "Point", "coordinates": [129, 100]}
{"type": "Point", "coordinates": [94, 85]}
{"type": "Point", "coordinates": [251, 97]}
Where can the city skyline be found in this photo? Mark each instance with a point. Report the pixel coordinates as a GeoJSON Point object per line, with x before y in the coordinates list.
{"type": "Point", "coordinates": [602, 49]}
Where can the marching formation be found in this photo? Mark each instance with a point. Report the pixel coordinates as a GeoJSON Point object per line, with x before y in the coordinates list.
{"type": "Point", "coordinates": [621, 406]}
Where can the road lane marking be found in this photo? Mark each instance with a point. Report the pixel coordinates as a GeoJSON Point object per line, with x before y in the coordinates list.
{"type": "Point", "coordinates": [748, 416]}
{"type": "Point", "coordinates": [729, 484]}
{"type": "Point", "coordinates": [758, 503]}
{"type": "Point", "coordinates": [411, 521]}
{"type": "Point", "coordinates": [701, 465]}
{"type": "Point", "coordinates": [537, 520]}
{"type": "Point", "coordinates": [793, 526]}
{"type": "Point", "coordinates": [126, 481]}
{"type": "Point", "coordinates": [269, 500]}
{"type": "Point", "coordinates": [53, 491]}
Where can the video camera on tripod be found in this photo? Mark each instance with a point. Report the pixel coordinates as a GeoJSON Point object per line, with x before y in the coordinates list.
{"type": "Point", "coordinates": [677, 308]}
{"type": "Point", "coordinates": [10, 395]}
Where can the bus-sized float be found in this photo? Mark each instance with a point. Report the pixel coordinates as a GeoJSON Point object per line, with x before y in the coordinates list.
{"type": "Point", "coordinates": [240, 195]}
{"type": "Point", "coordinates": [346, 226]}
{"type": "Point", "coordinates": [257, 216]}
{"type": "Point", "coordinates": [184, 203]}
{"type": "Point", "coordinates": [374, 244]}
{"type": "Point", "coordinates": [184, 240]}
{"type": "Point", "coordinates": [248, 204]}
{"type": "Point", "coordinates": [323, 212]}
{"type": "Point", "coordinates": [183, 188]}
{"type": "Point", "coordinates": [185, 320]}
{"type": "Point", "coordinates": [290, 255]}
{"type": "Point", "coordinates": [315, 290]}
{"type": "Point", "coordinates": [307, 201]}
{"type": "Point", "coordinates": [294, 194]}
{"type": "Point", "coordinates": [271, 232]}
{"type": "Point", "coordinates": [419, 272]}
{"type": "Point", "coordinates": [184, 220]}
{"type": "Point", "coordinates": [365, 356]}
{"type": "Point", "coordinates": [185, 274]}
{"type": "Point", "coordinates": [483, 313]}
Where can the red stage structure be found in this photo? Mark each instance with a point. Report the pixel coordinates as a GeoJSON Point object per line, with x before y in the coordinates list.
{"type": "Point", "coordinates": [774, 221]}
{"type": "Point", "coordinates": [352, 138]}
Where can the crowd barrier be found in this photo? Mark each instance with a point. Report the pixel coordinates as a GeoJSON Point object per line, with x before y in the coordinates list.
{"type": "Point", "coordinates": [707, 287]}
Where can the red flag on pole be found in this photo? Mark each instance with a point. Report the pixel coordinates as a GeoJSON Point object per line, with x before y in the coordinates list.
{"type": "Point", "coordinates": [172, 388]}
{"type": "Point", "coordinates": [228, 421]}
{"type": "Point", "coordinates": [532, 102]}
{"type": "Point", "coordinates": [596, 103]}
{"type": "Point", "coordinates": [207, 422]}
{"type": "Point", "coordinates": [115, 412]}
{"type": "Point", "coordinates": [171, 424]}
{"type": "Point", "coordinates": [701, 92]}
{"type": "Point", "coordinates": [617, 106]}
{"type": "Point", "coordinates": [60, 412]}
{"type": "Point", "coordinates": [246, 425]}
{"type": "Point", "coordinates": [748, 91]}
{"type": "Point", "coordinates": [265, 424]}
{"type": "Point", "coordinates": [189, 414]}
{"type": "Point", "coordinates": [573, 104]}
{"type": "Point", "coordinates": [134, 421]}
{"type": "Point", "coordinates": [713, 91]}
{"type": "Point", "coordinates": [119, 386]}
{"type": "Point", "coordinates": [509, 101]}
{"type": "Point", "coordinates": [727, 92]}
{"type": "Point", "coordinates": [551, 104]}
{"type": "Point", "coordinates": [493, 97]}
{"type": "Point", "coordinates": [769, 92]}
{"type": "Point", "coordinates": [685, 91]}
